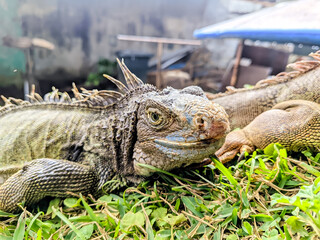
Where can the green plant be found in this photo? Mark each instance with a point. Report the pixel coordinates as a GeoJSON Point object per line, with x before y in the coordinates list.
{"type": "Point", "coordinates": [104, 66]}
{"type": "Point", "coordinates": [268, 195]}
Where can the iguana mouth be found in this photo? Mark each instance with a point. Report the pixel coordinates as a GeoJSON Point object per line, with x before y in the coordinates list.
{"type": "Point", "coordinates": [182, 145]}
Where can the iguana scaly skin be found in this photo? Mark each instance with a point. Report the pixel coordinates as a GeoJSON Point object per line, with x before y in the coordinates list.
{"type": "Point", "coordinates": [294, 124]}
{"type": "Point", "coordinates": [78, 145]}
{"type": "Point", "coordinates": [243, 105]}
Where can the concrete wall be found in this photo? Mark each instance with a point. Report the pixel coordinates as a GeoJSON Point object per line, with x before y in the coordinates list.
{"type": "Point", "coordinates": [84, 31]}
{"type": "Point", "coordinates": [11, 60]}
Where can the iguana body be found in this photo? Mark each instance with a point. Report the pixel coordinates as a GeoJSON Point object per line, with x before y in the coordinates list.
{"type": "Point", "coordinates": [243, 105]}
{"type": "Point", "coordinates": [78, 146]}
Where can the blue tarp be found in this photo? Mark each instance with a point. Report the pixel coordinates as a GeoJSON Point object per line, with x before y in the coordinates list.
{"type": "Point", "coordinates": [305, 36]}
{"type": "Point", "coordinates": [297, 22]}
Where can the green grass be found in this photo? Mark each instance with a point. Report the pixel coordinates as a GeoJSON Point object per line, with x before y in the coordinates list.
{"type": "Point", "coordinates": [266, 196]}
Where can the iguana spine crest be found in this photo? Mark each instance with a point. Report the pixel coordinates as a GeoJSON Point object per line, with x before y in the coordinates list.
{"type": "Point", "coordinates": [300, 68]}
{"type": "Point", "coordinates": [93, 100]}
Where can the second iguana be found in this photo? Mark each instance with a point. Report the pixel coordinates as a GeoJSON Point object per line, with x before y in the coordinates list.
{"type": "Point", "coordinates": [283, 109]}
{"type": "Point", "coordinates": [243, 105]}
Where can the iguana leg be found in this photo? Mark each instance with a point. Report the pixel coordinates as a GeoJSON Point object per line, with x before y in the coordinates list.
{"type": "Point", "coordinates": [236, 142]}
{"type": "Point", "coordinates": [46, 177]}
{"type": "Point", "coordinates": [295, 124]}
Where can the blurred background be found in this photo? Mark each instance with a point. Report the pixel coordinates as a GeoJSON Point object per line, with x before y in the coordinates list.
{"type": "Point", "coordinates": [210, 43]}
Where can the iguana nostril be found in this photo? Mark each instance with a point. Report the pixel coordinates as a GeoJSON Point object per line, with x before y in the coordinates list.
{"type": "Point", "coordinates": [201, 122]}
{"type": "Point", "coordinates": [211, 124]}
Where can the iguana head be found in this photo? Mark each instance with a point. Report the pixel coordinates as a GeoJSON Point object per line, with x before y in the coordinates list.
{"type": "Point", "coordinates": [172, 128]}
{"type": "Point", "coordinates": [176, 128]}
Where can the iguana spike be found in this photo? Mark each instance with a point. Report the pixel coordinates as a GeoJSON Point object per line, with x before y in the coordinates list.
{"type": "Point", "coordinates": [83, 90]}
{"type": "Point", "coordinates": [38, 97]}
{"type": "Point", "coordinates": [18, 101]}
{"type": "Point", "coordinates": [109, 95]}
{"type": "Point", "coordinates": [6, 100]}
{"type": "Point", "coordinates": [119, 84]}
{"type": "Point", "coordinates": [113, 93]}
{"type": "Point", "coordinates": [32, 98]}
{"type": "Point", "coordinates": [304, 66]}
{"type": "Point", "coordinates": [129, 82]}
{"type": "Point", "coordinates": [131, 79]}
{"type": "Point", "coordinates": [65, 97]}
{"type": "Point", "coordinates": [54, 97]}
{"type": "Point", "coordinates": [101, 98]}
{"type": "Point", "coordinates": [134, 79]}
{"type": "Point", "coordinates": [98, 98]}
{"type": "Point", "coordinates": [32, 93]}
{"type": "Point", "coordinates": [315, 55]}
{"type": "Point", "coordinates": [76, 92]}
{"type": "Point", "coordinates": [33, 90]}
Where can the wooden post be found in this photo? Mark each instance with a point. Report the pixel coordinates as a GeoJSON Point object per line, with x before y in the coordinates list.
{"type": "Point", "coordinates": [235, 70]}
{"type": "Point", "coordinates": [28, 45]}
{"type": "Point", "coordinates": [160, 42]}
{"type": "Point", "coordinates": [30, 79]}
{"type": "Point", "coordinates": [159, 55]}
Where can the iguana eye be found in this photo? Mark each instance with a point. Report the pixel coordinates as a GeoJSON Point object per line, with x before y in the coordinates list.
{"type": "Point", "coordinates": [155, 117]}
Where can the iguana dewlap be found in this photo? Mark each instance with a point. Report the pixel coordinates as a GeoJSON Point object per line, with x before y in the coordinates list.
{"type": "Point", "coordinates": [294, 124]}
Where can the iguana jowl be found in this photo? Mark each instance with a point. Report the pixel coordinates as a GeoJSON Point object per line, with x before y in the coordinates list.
{"type": "Point", "coordinates": [78, 146]}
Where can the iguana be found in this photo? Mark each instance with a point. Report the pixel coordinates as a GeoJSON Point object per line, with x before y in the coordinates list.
{"type": "Point", "coordinates": [175, 147]}
{"type": "Point", "coordinates": [243, 105]}
{"type": "Point", "coordinates": [293, 122]}
{"type": "Point", "coordinates": [77, 146]}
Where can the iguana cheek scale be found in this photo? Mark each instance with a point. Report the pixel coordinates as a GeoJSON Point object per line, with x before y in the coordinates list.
{"type": "Point", "coordinates": [78, 145]}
